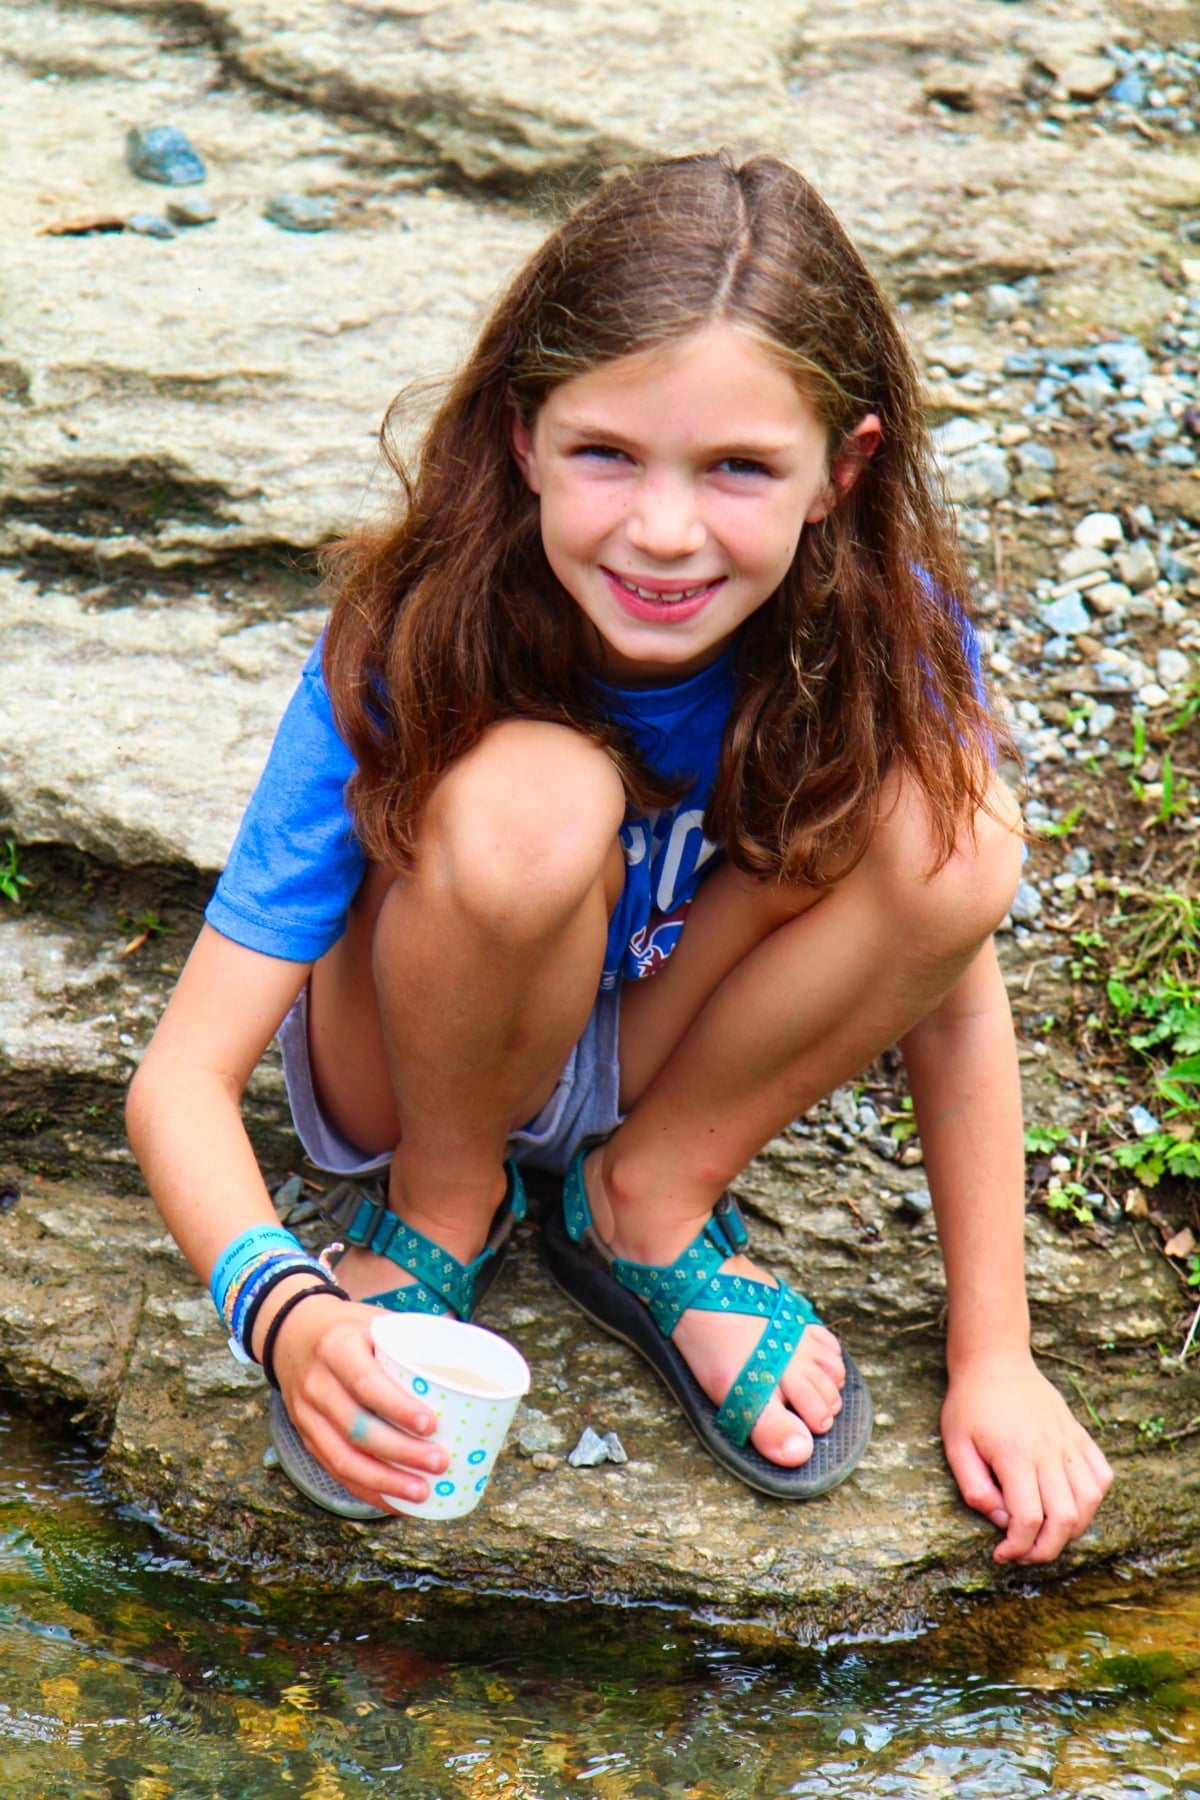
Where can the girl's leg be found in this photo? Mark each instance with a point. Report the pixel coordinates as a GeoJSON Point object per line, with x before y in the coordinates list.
{"type": "Point", "coordinates": [773, 997]}
{"type": "Point", "coordinates": [441, 1020]}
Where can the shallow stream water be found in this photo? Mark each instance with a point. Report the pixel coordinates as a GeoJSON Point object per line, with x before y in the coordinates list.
{"type": "Point", "coordinates": [128, 1675]}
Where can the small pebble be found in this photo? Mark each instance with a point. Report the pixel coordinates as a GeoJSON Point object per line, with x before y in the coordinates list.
{"type": "Point", "coordinates": [301, 212]}
{"type": "Point", "coordinates": [1143, 1121]}
{"type": "Point", "coordinates": [162, 153]}
{"type": "Point", "coordinates": [191, 209]}
{"type": "Point", "coordinates": [1002, 302]}
{"type": "Point", "coordinates": [1098, 530]}
{"type": "Point", "coordinates": [917, 1201]}
{"type": "Point", "coordinates": [545, 1459]}
{"type": "Point", "coordinates": [1026, 904]}
{"type": "Point", "coordinates": [592, 1450]}
{"type": "Point", "coordinates": [1173, 667]}
{"type": "Point", "coordinates": [148, 224]}
{"type": "Point", "coordinates": [1068, 616]}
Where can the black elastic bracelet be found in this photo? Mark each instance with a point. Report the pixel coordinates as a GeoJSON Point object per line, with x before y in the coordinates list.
{"type": "Point", "coordinates": [246, 1336]}
{"type": "Point", "coordinates": [268, 1355]}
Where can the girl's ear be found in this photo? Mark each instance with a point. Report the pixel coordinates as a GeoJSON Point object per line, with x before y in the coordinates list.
{"type": "Point", "coordinates": [847, 466]}
{"type": "Point", "coordinates": [521, 439]}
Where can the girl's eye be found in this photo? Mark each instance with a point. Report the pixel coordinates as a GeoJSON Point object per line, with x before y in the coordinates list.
{"type": "Point", "coordinates": [742, 465]}
{"type": "Point", "coordinates": [602, 452]}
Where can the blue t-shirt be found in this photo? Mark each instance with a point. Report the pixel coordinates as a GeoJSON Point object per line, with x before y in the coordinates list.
{"type": "Point", "coordinates": [296, 864]}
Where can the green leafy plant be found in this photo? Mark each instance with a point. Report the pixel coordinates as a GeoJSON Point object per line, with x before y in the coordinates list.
{"type": "Point", "coordinates": [1043, 1140]}
{"type": "Point", "coordinates": [11, 878]}
{"type": "Point", "coordinates": [1069, 1197]}
{"type": "Point", "coordinates": [1062, 828]}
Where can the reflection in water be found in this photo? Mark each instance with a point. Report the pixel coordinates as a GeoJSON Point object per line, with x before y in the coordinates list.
{"type": "Point", "coordinates": [127, 1677]}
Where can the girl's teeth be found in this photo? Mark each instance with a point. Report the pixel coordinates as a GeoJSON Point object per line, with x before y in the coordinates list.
{"type": "Point", "coordinates": [666, 599]}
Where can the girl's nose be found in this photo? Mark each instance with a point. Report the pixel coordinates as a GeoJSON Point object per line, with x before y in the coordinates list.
{"type": "Point", "coordinates": [664, 522]}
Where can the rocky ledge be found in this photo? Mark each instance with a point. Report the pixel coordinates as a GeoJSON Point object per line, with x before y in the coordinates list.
{"type": "Point", "coordinates": [190, 383]}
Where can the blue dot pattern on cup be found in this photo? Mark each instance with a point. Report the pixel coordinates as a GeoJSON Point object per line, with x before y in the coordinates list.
{"type": "Point", "coordinates": [476, 1418]}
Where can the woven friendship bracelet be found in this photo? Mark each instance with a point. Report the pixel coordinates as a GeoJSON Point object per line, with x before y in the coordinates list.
{"type": "Point", "coordinates": [241, 1252]}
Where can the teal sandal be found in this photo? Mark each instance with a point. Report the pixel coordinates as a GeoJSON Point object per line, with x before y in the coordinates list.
{"type": "Point", "coordinates": [443, 1285]}
{"type": "Point", "coordinates": [642, 1303]}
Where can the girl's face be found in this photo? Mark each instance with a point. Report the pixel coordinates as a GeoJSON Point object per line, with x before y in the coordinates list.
{"type": "Point", "coordinates": [674, 486]}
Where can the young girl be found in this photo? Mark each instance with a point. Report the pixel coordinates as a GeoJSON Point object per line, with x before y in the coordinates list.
{"type": "Point", "coordinates": [639, 794]}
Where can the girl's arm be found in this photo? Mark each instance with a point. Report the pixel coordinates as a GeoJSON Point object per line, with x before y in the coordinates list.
{"type": "Point", "coordinates": [1014, 1447]}
{"type": "Point", "coordinates": [185, 1126]}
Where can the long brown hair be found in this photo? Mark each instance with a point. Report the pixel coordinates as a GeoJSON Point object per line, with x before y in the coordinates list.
{"type": "Point", "coordinates": [448, 617]}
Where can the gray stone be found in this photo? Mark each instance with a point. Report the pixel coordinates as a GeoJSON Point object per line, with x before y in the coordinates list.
{"type": "Point", "coordinates": [1099, 530]}
{"type": "Point", "coordinates": [1026, 904]}
{"type": "Point", "coordinates": [1032, 455]}
{"type": "Point", "coordinates": [162, 153]}
{"type": "Point", "coordinates": [1173, 667]}
{"type": "Point", "coordinates": [1087, 78]}
{"type": "Point", "coordinates": [1143, 1121]}
{"type": "Point", "coordinates": [1078, 861]}
{"type": "Point", "coordinates": [1127, 360]}
{"type": "Point", "coordinates": [151, 225]}
{"type": "Point", "coordinates": [191, 209]}
{"type": "Point", "coordinates": [978, 477]}
{"type": "Point", "coordinates": [111, 706]}
{"type": "Point", "coordinates": [957, 435]}
{"type": "Point", "coordinates": [536, 1433]}
{"type": "Point", "coordinates": [1093, 389]}
{"type": "Point", "coordinates": [301, 212]}
{"type": "Point", "coordinates": [1000, 301]}
{"type": "Point", "coordinates": [1067, 616]}
{"type": "Point", "coordinates": [1102, 718]}
{"type": "Point", "coordinates": [1110, 597]}
{"type": "Point", "coordinates": [592, 1450]}
{"type": "Point", "coordinates": [956, 359]}
{"type": "Point", "coordinates": [1137, 565]}
{"type": "Point", "coordinates": [1082, 561]}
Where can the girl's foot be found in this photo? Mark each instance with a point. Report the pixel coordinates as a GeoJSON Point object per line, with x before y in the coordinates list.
{"type": "Point", "coordinates": [717, 1345]}
{"type": "Point", "coordinates": [363, 1274]}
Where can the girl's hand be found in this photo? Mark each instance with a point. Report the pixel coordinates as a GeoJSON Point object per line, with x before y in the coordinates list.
{"type": "Point", "coordinates": [353, 1417]}
{"type": "Point", "coordinates": [1019, 1455]}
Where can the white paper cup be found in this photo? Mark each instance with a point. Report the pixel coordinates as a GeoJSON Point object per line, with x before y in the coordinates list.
{"type": "Point", "coordinates": [472, 1381]}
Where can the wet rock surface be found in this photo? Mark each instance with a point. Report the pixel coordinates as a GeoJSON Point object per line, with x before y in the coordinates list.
{"type": "Point", "coordinates": [186, 419]}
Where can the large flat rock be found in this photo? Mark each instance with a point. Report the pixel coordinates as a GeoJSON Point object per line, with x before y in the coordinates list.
{"type": "Point", "coordinates": [143, 728]}
{"type": "Point", "coordinates": [214, 399]}
{"type": "Point", "coordinates": [138, 1351]}
{"type": "Point", "coordinates": [216, 396]}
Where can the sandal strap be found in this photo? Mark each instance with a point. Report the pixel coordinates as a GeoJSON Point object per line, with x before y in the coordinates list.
{"type": "Point", "coordinates": [443, 1284]}
{"type": "Point", "coordinates": [790, 1317]}
{"type": "Point", "coordinates": [695, 1279]}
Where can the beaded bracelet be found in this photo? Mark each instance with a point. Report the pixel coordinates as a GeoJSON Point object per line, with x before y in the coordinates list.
{"type": "Point", "coordinates": [293, 1300]}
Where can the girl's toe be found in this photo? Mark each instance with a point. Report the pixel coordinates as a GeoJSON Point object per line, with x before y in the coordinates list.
{"type": "Point", "coordinates": [781, 1436]}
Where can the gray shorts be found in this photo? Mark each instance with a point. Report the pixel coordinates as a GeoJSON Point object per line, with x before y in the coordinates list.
{"type": "Point", "coordinates": [583, 1105]}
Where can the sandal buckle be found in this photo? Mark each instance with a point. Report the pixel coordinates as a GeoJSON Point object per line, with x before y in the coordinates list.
{"type": "Point", "coordinates": [730, 1225]}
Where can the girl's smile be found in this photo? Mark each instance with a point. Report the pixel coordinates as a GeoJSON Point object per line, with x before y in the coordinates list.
{"type": "Point", "coordinates": [674, 486]}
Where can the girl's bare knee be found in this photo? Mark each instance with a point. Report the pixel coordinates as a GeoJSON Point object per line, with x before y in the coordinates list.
{"type": "Point", "coordinates": [521, 828]}
{"type": "Point", "coordinates": [954, 908]}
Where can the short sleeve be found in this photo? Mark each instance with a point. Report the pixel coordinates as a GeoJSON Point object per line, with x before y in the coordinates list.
{"type": "Point", "coordinates": [295, 864]}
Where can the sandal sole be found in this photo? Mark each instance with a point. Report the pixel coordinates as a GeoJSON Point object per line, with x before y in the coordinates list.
{"type": "Point", "coordinates": [837, 1452]}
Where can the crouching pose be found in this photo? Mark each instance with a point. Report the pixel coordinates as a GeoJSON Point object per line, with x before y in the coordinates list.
{"type": "Point", "coordinates": [640, 792]}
